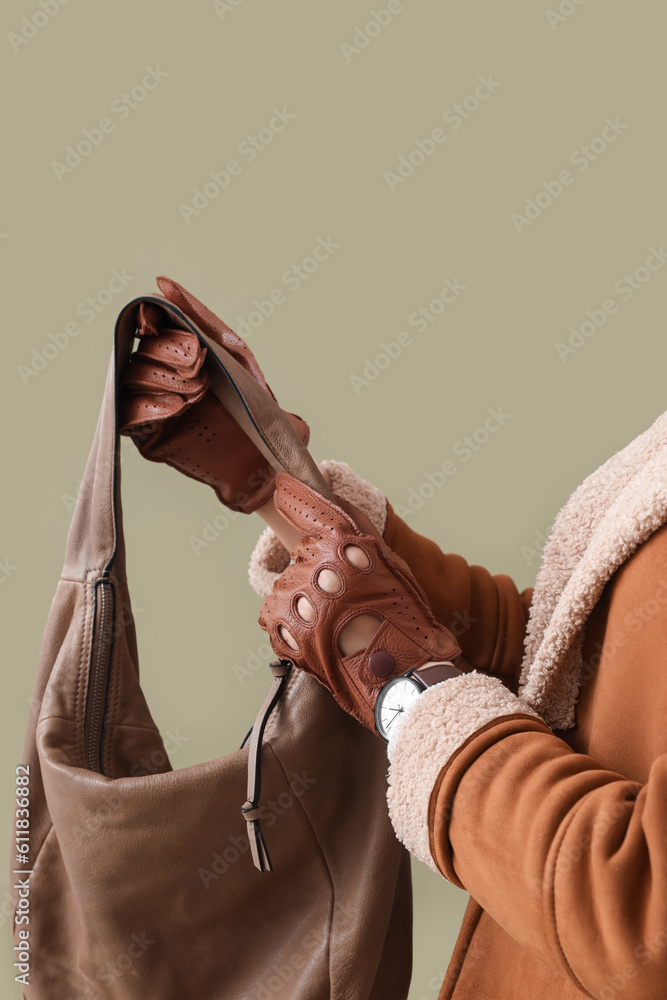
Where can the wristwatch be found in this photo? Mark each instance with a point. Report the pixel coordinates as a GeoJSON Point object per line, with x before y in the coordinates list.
{"type": "Point", "coordinates": [400, 692]}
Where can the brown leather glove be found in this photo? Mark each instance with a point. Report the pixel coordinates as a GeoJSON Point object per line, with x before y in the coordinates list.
{"type": "Point", "coordinates": [409, 635]}
{"type": "Point", "coordinates": [173, 417]}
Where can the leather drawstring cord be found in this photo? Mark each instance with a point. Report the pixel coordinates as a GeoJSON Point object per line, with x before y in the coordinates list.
{"type": "Point", "coordinates": [280, 669]}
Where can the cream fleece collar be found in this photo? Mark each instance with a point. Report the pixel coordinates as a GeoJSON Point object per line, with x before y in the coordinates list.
{"type": "Point", "coordinates": [613, 511]}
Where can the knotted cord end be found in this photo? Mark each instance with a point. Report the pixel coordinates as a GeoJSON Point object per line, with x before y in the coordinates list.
{"type": "Point", "coordinates": [258, 849]}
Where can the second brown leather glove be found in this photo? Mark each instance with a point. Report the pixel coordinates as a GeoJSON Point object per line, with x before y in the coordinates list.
{"type": "Point", "coordinates": [174, 417]}
{"type": "Point", "coordinates": [408, 635]}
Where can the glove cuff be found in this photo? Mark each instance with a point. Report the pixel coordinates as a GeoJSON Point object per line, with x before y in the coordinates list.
{"type": "Point", "coordinates": [270, 557]}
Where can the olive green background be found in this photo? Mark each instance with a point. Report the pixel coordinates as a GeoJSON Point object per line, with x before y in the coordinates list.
{"type": "Point", "coordinates": [495, 347]}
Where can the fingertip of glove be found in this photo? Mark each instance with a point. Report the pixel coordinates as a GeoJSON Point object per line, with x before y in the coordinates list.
{"type": "Point", "coordinates": [167, 285]}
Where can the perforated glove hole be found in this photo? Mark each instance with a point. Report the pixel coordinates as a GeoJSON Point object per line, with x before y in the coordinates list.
{"type": "Point", "coordinates": [358, 633]}
{"type": "Point", "coordinates": [355, 556]}
{"type": "Point", "coordinates": [304, 609]}
{"type": "Point", "coordinates": [288, 638]}
{"type": "Point", "coordinates": [328, 581]}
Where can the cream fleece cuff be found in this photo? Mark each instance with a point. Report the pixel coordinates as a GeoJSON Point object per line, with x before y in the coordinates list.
{"type": "Point", "coordinates": [436, 724]}
{"type": "Point", "coordinates": [270, 557]}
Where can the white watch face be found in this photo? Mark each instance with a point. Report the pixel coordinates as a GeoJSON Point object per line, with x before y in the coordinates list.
{"type": "Point", "coordinates": [392, 701]}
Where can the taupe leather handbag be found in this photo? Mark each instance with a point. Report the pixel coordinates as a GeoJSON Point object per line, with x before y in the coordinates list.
{"type": "Point", "coordinates": [142, 885]}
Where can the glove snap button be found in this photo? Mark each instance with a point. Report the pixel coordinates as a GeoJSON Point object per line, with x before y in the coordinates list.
{"type": "Point", "coordinates": [380, 663]}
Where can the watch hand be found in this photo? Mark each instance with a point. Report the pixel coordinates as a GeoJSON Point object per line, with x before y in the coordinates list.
{"type": "Point", "coordinates": [396, 712]}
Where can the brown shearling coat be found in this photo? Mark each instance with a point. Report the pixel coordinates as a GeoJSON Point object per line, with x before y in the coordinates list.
{"type": "Point", "coordinates": [586, 807]}
{"type": "Point", "coordinates": [559, 835]}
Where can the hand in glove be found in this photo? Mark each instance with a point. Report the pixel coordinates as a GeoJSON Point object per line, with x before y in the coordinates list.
{"type": "Point", "coordinates": [343, 573]}
{"type": "Point", "coordinates": [172, 415]}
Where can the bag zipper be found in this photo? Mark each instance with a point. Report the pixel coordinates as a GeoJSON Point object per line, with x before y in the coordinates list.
{"type": "Point", "coordinates": [99, 671]}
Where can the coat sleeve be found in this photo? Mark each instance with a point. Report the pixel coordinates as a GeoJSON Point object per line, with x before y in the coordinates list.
{"type": "Point", "coordinates": [569, 857]}
{"type": "Point", "coordinates": [486, 612]}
